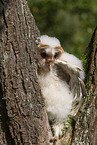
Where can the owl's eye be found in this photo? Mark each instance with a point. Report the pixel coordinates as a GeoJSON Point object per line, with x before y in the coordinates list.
{"type": "Point", "coordinates": [56, 55]}
{"type": "Point", "coordinates": [43, 55]}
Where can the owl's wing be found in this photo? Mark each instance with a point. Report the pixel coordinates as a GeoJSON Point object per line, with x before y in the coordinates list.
{"type": "Point", "coordinates": [71, 75]}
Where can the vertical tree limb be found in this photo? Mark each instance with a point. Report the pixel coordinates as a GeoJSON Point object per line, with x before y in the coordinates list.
{"type": "Point", "coordinates": [86, 121]}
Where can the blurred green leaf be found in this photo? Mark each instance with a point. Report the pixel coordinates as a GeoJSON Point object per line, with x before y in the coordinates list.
{"type": "Point", "coordinates": [71, 21]}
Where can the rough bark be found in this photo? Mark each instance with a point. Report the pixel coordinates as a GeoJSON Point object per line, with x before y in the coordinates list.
{"type": "Point", "coordinates": [82, 129]}
{"type": "Point", "coordinates": [23, 118]}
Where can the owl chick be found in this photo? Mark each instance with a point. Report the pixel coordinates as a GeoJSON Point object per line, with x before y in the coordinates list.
{"type": "Point", "coordinates": [60, 76]}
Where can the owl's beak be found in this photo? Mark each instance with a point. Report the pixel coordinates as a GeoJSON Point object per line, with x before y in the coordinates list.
{"type": "Point", "coordinates": [50, 64]}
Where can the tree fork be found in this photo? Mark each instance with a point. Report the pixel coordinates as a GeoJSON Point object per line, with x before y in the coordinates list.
{"type": "Point", "coordinates": [23, 118]}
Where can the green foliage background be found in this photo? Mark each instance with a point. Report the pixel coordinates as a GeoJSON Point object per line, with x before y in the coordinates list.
{"type": "Point", "coordinates": [71, 21]}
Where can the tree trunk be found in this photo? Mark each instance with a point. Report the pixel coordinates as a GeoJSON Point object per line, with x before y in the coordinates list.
{"type": "Point", "coordinates": [23, 119]}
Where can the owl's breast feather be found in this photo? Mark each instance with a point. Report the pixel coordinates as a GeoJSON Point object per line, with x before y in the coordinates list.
{"type": "Point", "coordinates": [58, 97]}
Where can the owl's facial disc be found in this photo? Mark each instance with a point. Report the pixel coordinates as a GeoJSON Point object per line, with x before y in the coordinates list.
{"type": "Point", "coordinates": [48, 56]}
{"type": "Point", "coordinates": [47, 60]}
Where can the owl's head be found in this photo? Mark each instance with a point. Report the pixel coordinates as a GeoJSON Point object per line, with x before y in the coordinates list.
{"type": "Point", "coordinates": [49, 51]}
